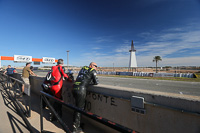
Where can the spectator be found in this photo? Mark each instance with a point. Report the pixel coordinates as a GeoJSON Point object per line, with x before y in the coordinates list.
{"type": "Point", "coordinates": [10, 71]}
{"type": "Point", "coordinates": [56, 86]}
{"type": "Point", "coordinates": [86, 76]}
{"type": "Point", "coordinates": [26, 72]}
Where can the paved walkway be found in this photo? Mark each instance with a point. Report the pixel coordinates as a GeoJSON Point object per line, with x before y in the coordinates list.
{"type": "Point", "coordinates": [11, 121]}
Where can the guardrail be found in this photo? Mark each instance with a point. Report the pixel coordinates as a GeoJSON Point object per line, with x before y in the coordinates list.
{"type": "Point", "coordinates": [95, 117]}
{"type": "Point", "coordinates": [145, 74]}
{"type": "Point", "coordinates": [14, 85]}
{"type": "Point", "coordinates": [12, 88]}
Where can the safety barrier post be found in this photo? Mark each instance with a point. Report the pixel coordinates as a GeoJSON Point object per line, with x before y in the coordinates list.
{"type": "Point", "coordinates": [41, 113]}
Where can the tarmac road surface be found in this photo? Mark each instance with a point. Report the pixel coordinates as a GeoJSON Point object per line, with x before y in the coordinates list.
{"type": "Point", "coordinates": [178, 87]}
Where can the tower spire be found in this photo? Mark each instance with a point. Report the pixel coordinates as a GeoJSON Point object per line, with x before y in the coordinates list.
{"type": "Point", "coordinates": [132, 47]}
{"type": "Point", "coordinates": [132, 61]}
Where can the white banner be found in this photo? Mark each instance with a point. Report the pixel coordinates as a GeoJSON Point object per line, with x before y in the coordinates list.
{"type": "Point", "coordinates": [163, 75]}
{"type": "Point", "coordinates": [22, 58]}
{"type": "Point", "coordinates": [48, 60]}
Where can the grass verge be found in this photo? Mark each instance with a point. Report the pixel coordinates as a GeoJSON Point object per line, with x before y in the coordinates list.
{"type": "Point", "coordinates": [157, 78]}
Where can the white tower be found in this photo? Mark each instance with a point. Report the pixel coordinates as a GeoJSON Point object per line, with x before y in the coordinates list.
{"type": "Point", "coordinates": [132, 62]}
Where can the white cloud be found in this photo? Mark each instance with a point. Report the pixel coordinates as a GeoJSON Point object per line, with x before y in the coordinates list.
{"type": "Point", "coordinates": [103, 59]}
{"type": "Point", "coordinates": [144, 61]}
{"type": "Point", "coordinates": [117, 59]}
{"type": "Point", "coordinates": [169, 43]}
{"type": "Point", "coordinates": [172, 42]}
{"type": "Point", "coordinates": [166, 44]}
{"type": "Point", "coordinates": [96, 48]}
{"type": "Point", "coordinates": [125, 47]}
{"type": "Point", "coordinates": [182, 61]}
{"type": "Point", "coordinates": [103, 39]}
{"type": "Point", "coordinates": [191, 37]}
{"type": "Point", "coordinates": [122, 49]}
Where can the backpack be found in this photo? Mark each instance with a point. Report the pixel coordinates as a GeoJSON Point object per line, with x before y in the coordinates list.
{"type": "Point", "coordinates": [51, 76]}
{"type": "Point", "coordinates": [54, 74]}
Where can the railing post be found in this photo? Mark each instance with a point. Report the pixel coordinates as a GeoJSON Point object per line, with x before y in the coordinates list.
{"type": "Point", "coordinates": [41, 113]}
{"type": "Point", "coordinates": [14, 87]}
{"type": "Point", "coordinates": [29, 111]}
{"type": "Point", "coordinates": [7, 82]}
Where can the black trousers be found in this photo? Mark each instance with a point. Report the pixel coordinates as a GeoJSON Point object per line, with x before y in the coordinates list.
{"type": "Point", "coordinates": [79, 93]}
{"type": "Point", "coordinates": [57, 106]}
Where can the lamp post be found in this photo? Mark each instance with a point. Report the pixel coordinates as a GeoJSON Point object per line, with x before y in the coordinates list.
{"type": "Point", "coordinates": [113, 67]}
{"type": "Point", "coordinates": [67, 59]}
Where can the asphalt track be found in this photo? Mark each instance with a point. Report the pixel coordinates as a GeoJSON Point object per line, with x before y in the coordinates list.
{"type": "Point", "coordinates": [178, 87]}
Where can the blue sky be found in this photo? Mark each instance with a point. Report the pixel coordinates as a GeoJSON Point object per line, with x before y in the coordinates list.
{"type": "Point", "coordinates": [102, 31]}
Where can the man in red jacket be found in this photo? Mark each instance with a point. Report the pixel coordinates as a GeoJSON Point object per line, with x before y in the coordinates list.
{"type": "Point", "coordinates": [56, 86]}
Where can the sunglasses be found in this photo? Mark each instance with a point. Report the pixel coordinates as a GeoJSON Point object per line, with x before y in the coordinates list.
{"type": "Point", "coordinates": [95, 66]}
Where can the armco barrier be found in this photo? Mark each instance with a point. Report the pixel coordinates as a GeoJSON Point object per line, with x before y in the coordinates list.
{"type": "Point", "coordinates": [164, 112]}
{"type": "Point", "coordinates": [147, 74]}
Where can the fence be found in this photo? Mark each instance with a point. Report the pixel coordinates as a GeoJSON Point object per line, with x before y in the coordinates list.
{"type": "Point", "coordinates": [146, 74]}
{"type": "Point", "coordinates": [12, 86]}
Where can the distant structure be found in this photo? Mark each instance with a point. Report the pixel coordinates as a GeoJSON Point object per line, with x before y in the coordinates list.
{"type": "Point", "coordinates": [132, 61]}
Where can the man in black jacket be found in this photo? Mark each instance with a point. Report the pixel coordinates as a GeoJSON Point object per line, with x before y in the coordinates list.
{"type": "Point", "coordinates": [86, 76]}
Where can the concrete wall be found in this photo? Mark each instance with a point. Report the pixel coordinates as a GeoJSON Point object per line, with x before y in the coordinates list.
{"type": "Point", "coordinates": [165, 112]}
{"type": "Point", "coordinates": [162, 117]}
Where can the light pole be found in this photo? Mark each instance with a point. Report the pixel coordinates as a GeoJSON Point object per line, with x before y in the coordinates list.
{"type": "Point", "coordinates": [67, 59]}
{"type": "Point", "coordinates": [113, 67]}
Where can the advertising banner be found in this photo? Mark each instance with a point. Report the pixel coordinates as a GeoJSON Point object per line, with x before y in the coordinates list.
{"type": "Point", "coordinates": [22, 58]}
{"type": "Point", "coordinates": [163, 75]}
{"type": "Point", "coordinates": [48, 60]}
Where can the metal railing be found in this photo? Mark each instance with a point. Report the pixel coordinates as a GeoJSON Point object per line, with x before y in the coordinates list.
{"type": "Point", "coordinates": [95, 117]}
{"type": "Point", "coordinates": [12, 86]}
